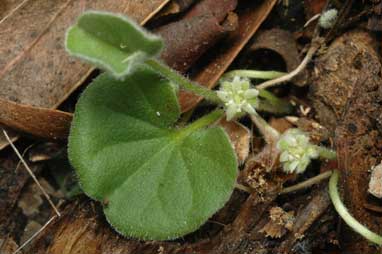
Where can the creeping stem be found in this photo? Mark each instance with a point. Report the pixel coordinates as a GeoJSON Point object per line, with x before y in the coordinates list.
{"type": "Point", "coordinates": [326, 153]}
{"type": "Point", "coordinates": [254, 74]}
{"type": "Point", "coordinates": [346, 216]}
{"type": "Point", "coordinates": [178, 79]}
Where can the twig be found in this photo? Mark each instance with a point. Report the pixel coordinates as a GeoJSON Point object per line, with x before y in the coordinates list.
{"type": "Point", "coordinates": [243, 188]}
{"type": "Point", "coordinates": [31, 173]}
{"type": "Point", "coordinates": [23, 154]}
{"type": "Point", "coordinates": [307, 183]}
{"type": "Point", "coordinates": [312, 50]}
{"type": "Point", "coordinates": [13, 11]}
{"type": "Point", "coordinates": [35, 234]}
{"type": "Point", "coordinates": [315, 17]}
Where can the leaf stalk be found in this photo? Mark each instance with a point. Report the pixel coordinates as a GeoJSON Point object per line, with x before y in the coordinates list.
{"type": "Point", "coordinates": [346, 216]}
{"type": "Point", "coordinates": [178, 79]}
{"type": "Point", "coordinates": [254, 74]}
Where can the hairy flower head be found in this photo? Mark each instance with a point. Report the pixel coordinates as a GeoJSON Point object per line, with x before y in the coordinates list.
{"type": "Point", "coordinates": [238, 96]}
{"type": "Point", "coordinates": [296, 151]}
{"type": "Point", "coordinates": [328, 18]}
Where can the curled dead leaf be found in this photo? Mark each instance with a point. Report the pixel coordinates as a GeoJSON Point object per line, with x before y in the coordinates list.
{"type": "Point", "coordinates": [279, 224]}
{"type": "Point", "coordinates": [240, 137]}
{"type": "Point", "coordinates": [283, 43]}
{"type": "Point", "coordinates": [40, 122]}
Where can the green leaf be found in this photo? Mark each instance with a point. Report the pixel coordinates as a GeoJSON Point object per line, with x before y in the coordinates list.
{"type": "Point", "coordinates": [157, 182]}
{"type": "Point", "coordinates": [112, 42]}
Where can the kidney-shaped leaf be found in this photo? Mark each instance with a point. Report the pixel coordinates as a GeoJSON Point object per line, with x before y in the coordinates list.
{"type": "Point", "coordinates": [111, 41]}
{"type": "Point", "coordinates": [157, 181]}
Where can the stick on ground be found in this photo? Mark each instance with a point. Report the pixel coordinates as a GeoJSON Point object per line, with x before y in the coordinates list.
{"type": "Point", "coordinates": [31, 173]}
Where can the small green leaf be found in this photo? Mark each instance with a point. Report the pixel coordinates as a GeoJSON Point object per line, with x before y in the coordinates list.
{"type": "Point", "coordinates": [112, 42]}
{"type": "Point", "coordinates": [158, 182]}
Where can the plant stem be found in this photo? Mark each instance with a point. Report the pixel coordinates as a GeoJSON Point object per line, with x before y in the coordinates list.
{"type": "Point", "coordinates": [254, 74]}
{"type": "Point", "coordinates": [346, 216]}
{"type": "Point", "coordinates": [312, 50]}
{"type": "Point", "coordinates": [178, 79]}
{"type": "Point", "coordinates": [305, 184]}
{"type": "Point", "coordinates": [326, 153]}
{"type": "Point", "coordinates": [273, 104]}
{"type": "Point", "coordinates": [243, 188]}
{"type": "Point", "coordinates": [202, 122]}
{"type": "Point", "coordinates": [270, 134]}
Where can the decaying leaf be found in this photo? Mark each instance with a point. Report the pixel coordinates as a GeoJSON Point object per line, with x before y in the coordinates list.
{"type": "Point", "coordinates": [375, 184]}
{"type": "Point", "coordinates": [313, 7]}
{"type": "Point", "coordinates": [175, 7]}
{"type": "Point", "coordinates": [32, 198]}
{"type": "Point", "coordinates": [375, 22]}
{"type": "Point", "coordinates": [40, 122]}
{"type": "Point", "coordinates": [211, 7]}
{"type": "Point", "coordinates": [7, 7]}
{"type": "Point", "coordinates": [348, 59]}
{"type": "Point", "coordinates": [240, 137]}
{"type": "Point", "coordinates": [346, 94]}
{"type": "Point", "coordinates": [143, 10]}
{"type": "Point", "coordinates": [8, 245]}
{"type": "Point", "coordinates": [280, 222]}
{"type": "Point", "coordinates": [283, 43]}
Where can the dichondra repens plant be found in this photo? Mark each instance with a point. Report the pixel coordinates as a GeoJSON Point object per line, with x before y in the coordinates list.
{"type": "Point", "coordinates": [156, 181]}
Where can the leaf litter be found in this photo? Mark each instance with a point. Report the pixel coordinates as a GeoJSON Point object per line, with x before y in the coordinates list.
{"type": "Point", "coordinates": [238, 235]}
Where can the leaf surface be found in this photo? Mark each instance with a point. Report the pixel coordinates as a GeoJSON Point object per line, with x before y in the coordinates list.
{"type": "Point", "coordinates": [111, 41]}
{"type": "Point", "coordinates": [159, 182]}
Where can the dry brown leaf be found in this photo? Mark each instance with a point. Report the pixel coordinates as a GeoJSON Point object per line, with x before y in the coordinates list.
{"type": "Point", "coordinates": [280, 222]}
{"type": "Point", "coordinates": [249, 22]}
{"type": "Point", "coordinates": [7, 6]}
{"type": "Point", "coordinates": [32, 198]}
{"type": "Point", "coordinates": [8, 246]}
{"type": "Point", "coordinates": [283, 43]}
{"type": "Point", "coordinates": [347, 95]}
{"type": "Point", "coordinates": [240, 137]}
{"type": "Point", "coordinates": [34, 67]}
{"type": "Point", "coordinates": [375, 184]}
{"type": "Point", "coordinates": [280, 124]}
{"type": "Point", "coordinates": [313, 7]}
{"type": "Point", "coordinates": [40, 122]}
{"type": "Point", "coordinates": [175, 7]}
{"type": "Point", "coordinates": [143, 10]}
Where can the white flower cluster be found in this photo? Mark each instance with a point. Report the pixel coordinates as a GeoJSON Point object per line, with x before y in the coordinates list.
{"type": "Point", "coordinates": [296, 151]}
{"type": "Point", "coordinates": [238, 96]}
{"type": "Point", "coordinates": [328, 18]}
